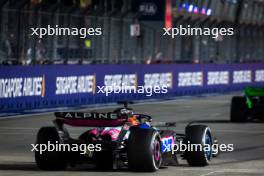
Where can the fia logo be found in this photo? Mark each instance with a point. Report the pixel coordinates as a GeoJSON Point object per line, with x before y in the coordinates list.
{"type": "Point", "coordinates": [148, 8]}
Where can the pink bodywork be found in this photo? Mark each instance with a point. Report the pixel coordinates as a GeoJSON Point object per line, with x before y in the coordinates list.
{"type": "Point", "coordinates": [104, 127]}
{"type": "Point", "coordinates": [94, 123]}
{"type": "Point", "coordinates": [113, 132]}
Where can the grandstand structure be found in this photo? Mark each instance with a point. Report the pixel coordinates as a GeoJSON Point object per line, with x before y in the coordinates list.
{"type": "Point", "coordinates": [132, 31]}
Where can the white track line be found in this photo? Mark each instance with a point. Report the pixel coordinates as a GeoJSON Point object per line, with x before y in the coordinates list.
{"type": "Point", "coordinates": [239, 131]}
{"type": "Point", "coordinates": [210, 173]}
{"type": "Point", "coordinates": [244, 171]}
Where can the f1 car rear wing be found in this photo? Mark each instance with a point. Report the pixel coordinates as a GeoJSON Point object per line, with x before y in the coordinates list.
{"type": "Point", "coordinates": [90, 119]}
{"type": "Point", "coordinates": [254, 92]}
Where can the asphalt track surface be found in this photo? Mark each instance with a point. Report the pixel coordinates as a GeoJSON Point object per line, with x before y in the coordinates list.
{"type": "Point", "coordinates": [17, 134]}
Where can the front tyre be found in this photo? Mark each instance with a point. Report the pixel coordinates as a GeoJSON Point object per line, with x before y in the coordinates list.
{"type": "Point", "coordinates": [199, 135]}
{"type": "Point", "coordinates": [144, 150]}
{"type": "Point", "coordinates": [49, 160]}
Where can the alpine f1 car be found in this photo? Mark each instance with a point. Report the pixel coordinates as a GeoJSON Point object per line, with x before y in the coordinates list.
{"type": "Point", "coordinates": [250, 106]}
{"type": "Point", "coordinates": [126, 139]}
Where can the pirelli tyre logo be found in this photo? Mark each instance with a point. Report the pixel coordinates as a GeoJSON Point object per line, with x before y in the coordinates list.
{"type": "Point", "coordinates": [22, 87]}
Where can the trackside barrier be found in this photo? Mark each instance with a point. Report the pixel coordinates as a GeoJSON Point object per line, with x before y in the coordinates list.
{"type": "Point", "coordinates": [49, 86]}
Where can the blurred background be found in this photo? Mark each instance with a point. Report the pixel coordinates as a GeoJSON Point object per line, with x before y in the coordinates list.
{"type": "Point", "coordinates": [132, 31]}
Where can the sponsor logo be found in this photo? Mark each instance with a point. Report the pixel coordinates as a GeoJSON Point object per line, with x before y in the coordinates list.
{"type": "Point", "coordinates": [242, 76]}
{"type": "Point", "coordinates": [148, 8]}
{"type": "Point", "coordinates": [259, 76]}
{"type": "Point", "coordinates": [217, 78]}
{"type": "Point", "coordinates": [158, 80]}
{"type": "Point", "coordinates": [123, 81]}
{"type": "Point", "coordinates": [167, 144]}
{"type": "Point", "coordinates": [75, 84]}
{"type": "Point", "coordinates": [22, 87]}
{"type": "Point", "coordinates": [186, 79]}
{"type": "Point", "coordinates": [88, 115]}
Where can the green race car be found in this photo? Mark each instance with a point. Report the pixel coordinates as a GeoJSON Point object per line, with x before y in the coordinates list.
{"type": "Point", "coordinates": [249, 106]}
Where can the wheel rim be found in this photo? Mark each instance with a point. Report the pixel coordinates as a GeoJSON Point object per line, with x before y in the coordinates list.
{"type": "Point", "coordinates": [156, 151]}
{"type": "Point", "coordinates": [208, 141]}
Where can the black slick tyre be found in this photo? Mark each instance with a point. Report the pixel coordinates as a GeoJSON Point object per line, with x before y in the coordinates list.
{"type": "Point", "coordinates": [238, 112]}
{"type": "Point", "coordinates": [199, 135]}
{"type": "Point", "coordinates": [144, 150]}
{"type": "Point", "coordinates": [49, 160]}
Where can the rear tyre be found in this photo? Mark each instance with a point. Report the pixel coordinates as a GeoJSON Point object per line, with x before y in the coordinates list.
{"type": "Point", "coordinates": [201, 135]}
{"type": "Point", "coordinates": [144, 150]}
{"type": "Point", "coordinates": [238, 110]}
{"type": "Point", "coordinates": [49, 160]}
